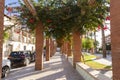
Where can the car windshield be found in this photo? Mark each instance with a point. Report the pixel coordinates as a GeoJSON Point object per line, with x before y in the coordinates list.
{"type": "Point", "coordinates": [16, 53]}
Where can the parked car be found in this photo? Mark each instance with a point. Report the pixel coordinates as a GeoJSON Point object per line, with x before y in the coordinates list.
{"type": "Point", "coordinates": [21, 57]}
{"type": "Point", "coordinates": [6, 66]}
{"type": "Point", "coordinates": [44, 53]}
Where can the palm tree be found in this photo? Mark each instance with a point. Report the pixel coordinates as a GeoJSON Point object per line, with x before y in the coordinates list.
{"type": "Point", "coordinates": [95, 42]}
{"type": "Point", "coordinates": [1, 32]}
{"type": "Point", "coordinates": [103, 42]}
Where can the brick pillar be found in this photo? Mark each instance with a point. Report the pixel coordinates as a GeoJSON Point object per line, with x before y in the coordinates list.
{"type": "Point", "coordinates": [76, 48]}
{"type": "Point", "coordinates": [64, 47]}
{"type": "Point", "coordinates": [69, 49]}
{"type": "Point", "coordinates": [55, 46]}
{"type": "Point", "coordinates": [115, 37]}
{"type": "Point", "coordinates": [1, 32]}
{"type": "Point", "coordinates": [47, 49]}
{"type": "Point", "coordinates": [61, 49]}
{"type": "Point", "coordinates": [39, 47]}
{"type": "Point", "coordinates": [51, 47]}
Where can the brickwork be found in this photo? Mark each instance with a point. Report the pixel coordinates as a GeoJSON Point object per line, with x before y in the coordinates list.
{"type": "Point", "coordinates": [51, 47]}
{"type": "Point", "coordinates": [39, 47]}
{"type": "Point", "coordinates": [115, 37]}
{"type": "Point", "coordinates": [66, 47]}
{"type": "Point", "coordinates": [47, 49]}
{"type": "Point", "coordinates": [1, 31]}
{"type": "Point", "coordinates": [69, 49]}
{"type": "Point", "coordinates": [52, 43]}
{"type": "Point", "coordinates": [55, 46]}
{"type": "Point", "coordinates": [76, 48]}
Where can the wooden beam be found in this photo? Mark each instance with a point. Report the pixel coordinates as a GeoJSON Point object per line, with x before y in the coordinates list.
{"type": "Point", "coordinates": [30, 7]}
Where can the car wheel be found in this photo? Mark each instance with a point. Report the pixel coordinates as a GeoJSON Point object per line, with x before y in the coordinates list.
{"type": "Point", "coordinates": [5, 71]}
{"type": "Point", "coordinates": [26, 62]}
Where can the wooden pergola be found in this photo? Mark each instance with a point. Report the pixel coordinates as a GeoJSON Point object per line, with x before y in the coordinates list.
{"type": "Point", "coordinates": [115, 36]}
{"type": "Point", "coordinates": [40, 39]}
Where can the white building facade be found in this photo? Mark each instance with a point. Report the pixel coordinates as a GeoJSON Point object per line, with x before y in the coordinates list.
{"type": "Point", "coordinates": [18, 39]}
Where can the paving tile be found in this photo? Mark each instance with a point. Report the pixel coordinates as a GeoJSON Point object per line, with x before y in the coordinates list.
{"type": "Point", "coordinates": [58, 68]}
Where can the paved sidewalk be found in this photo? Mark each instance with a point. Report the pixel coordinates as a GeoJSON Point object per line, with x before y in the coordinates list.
{"type": "Point", "coordinates": [105, 61]}
{"type": "Point", "coordinates": [58, 68]}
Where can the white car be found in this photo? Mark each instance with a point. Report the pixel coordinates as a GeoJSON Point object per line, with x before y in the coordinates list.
{"type": "Point", "coordinates": [6, 66]}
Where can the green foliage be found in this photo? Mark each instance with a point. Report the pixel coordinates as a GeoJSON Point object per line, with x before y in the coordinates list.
{"type": "Point", "coordinates": [6, 35]}
{"type": "Point", "coordinates": [61, 17]}
{"type": "Point", "coordinates": [87, 43]}
{"type": "Point", "coordinates": [89, 60]}
{"type": "Point", "coordinates": [96, 43]}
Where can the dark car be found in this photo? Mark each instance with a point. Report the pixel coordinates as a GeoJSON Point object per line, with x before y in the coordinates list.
{"type": "Point", "coordinates": [21, 57]}
{"type": "Point", "coordinates": [6, 66]}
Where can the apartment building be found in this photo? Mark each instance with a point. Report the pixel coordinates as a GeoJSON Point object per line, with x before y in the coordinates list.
{"type": "Point", "coordinates": [18, 37]}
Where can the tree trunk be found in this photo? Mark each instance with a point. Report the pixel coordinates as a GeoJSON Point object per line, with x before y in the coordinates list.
{"type": "Point", "coordinates": [103, 43]}
{"type": "Point", "coordinates": [47, 49]}
{"type": "Point", "coordinates": [115, 37]}
{"type": "Point", "coordinates": [1, 32]}
{"type": "Point", "coordinates": [39, 47]}
{"type": "Point", "coordinates": [95, 45]}
{"type": "Point", "coordinates": [77, 45]}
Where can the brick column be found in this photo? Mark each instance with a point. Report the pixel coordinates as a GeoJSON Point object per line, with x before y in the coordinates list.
{"type": "Point", "coordinates": [115, 37]}
{"type": "Point", "coordinates": [55, 46]}
{"type": "Point", "coordinates": [51, 47]}
{"type": "Point", "coordinates": [39, 47]}
{"type": "Point", "coordinates": [76, 48]}
{"type": "Point", "coordinates": [1, 32]}
{"type": "Point", "coordinates": [64, 47]}
{"type": "Point", "coordinates": [69, 49]}
{"type": "Point", "coordinates": [61, 49]}
{"type": "Point", "coordinates": [47, 49]}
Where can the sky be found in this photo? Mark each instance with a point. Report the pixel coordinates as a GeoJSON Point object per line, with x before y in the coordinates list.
{"type": "Point", "coordinates": [13, 2]}
{"type": "Point", "coordinates": [10, 3]}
